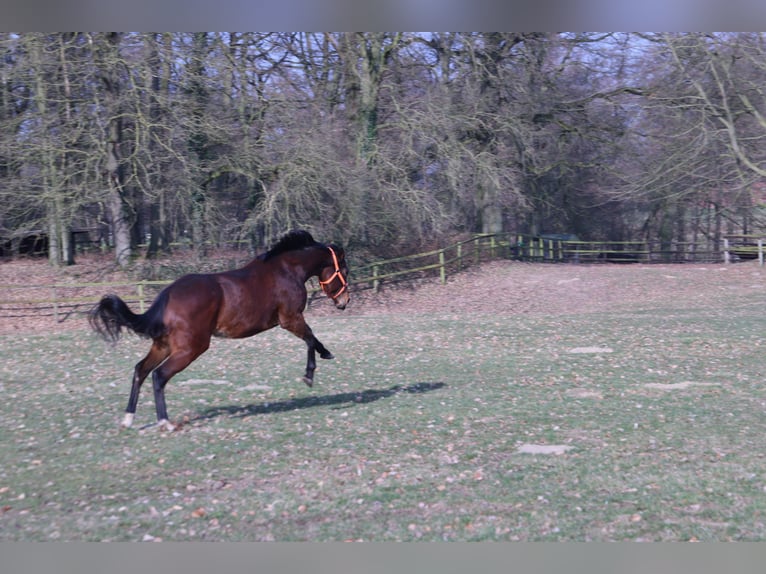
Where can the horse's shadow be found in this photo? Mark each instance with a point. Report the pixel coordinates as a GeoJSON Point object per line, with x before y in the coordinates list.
{"type": "Point", "coordinates": [366, 396]}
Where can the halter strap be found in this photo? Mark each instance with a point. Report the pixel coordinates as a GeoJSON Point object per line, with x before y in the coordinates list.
{"type": "Point", "coordinates": [344, 283]}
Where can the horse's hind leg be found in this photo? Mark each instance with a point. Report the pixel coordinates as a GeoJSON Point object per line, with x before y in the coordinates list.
{"type": "Point", "coordinates": [175, 363]}
{"type": "Point", "coordinates": [158, 353]}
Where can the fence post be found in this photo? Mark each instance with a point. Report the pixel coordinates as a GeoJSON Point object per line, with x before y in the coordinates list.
{"type": "Point", "coordinates": [55, 304]}
{"type": "Point", "coordinates": [141, 296]}
{"type": "Point", "coordinates": [760, 251]}
{"type": "Point", "coordinates": [476, 252]}
{"type": "Point", "coordinates": [442, 269]}
{"type": "Point", "coordinates": [726, 255]}
{"type": "Point", "coordinates": [375, 280]}
{"type": "Point", "coordinates": [460, 256]}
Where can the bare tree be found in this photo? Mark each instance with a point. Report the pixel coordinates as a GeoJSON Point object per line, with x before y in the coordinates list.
{"type": "Point", "coordinates": [111, 71]}
{"type": "Point", "coordinates": [385, 141]}
{"type": "Point", "coordinates": [693, 154]}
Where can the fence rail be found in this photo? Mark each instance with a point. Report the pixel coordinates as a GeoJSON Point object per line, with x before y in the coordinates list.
{"type": "Point", "coordinates": [62, 300]}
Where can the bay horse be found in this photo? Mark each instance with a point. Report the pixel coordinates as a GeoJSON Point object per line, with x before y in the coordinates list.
{"type": "Point", "coordinates": [268, 291]}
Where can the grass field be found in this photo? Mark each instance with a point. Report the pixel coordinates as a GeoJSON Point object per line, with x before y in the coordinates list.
{"type": "Point", "coordinates": [640, 420]}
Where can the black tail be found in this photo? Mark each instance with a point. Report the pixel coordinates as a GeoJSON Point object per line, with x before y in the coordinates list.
{"type": "Point", "coordinates": [111, 314]}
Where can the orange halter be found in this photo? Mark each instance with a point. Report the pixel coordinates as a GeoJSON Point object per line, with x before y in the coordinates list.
{"type": "Point", "coordinates": [344, 284]}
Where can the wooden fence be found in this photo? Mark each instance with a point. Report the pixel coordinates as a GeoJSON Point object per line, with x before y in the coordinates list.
{"type": "Point", "coordinates": [743, 247]}
{"type": "Point", "coordinates": [62, 300]}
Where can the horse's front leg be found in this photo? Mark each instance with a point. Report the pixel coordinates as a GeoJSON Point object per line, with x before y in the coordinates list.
{"type": "Point", "coordinates": [298, 327]}
{"type": "Point", "coordinates": [323, 352]}
{"type": "Point", "coordinates": [314, 345]}
{"type": "Point", "coordinates": [311, 364]}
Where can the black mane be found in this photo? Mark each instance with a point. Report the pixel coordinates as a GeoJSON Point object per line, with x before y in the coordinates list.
{"type": "Point", "coordinates": [298, 239]}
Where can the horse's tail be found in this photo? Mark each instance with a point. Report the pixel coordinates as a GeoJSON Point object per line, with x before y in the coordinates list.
{"type": "Point", "coordinates": [111, 314]}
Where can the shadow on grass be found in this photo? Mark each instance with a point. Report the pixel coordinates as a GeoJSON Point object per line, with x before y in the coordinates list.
{"type": "Point", "coordinates": [368, 396]}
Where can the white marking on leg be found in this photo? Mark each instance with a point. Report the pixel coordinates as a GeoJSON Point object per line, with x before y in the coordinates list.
{"type": "Point", "coordinates": [167, 425]}
{"type": "Point", "coordinates": [127, 420]}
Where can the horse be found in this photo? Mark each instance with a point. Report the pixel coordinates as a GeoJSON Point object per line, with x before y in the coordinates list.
{"type": "Point", "coordinates": [268, 291]}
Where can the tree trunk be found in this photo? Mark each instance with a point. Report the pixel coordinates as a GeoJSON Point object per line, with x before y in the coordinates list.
{"type": "Point", "coordinates": [157, 74]}
{"type": "Point", "coordinates": [108, 61]}
{"type": "Point", "coordinates": [120, 221]}
{"type": "Point", "coordinates": [54, 252]}
{"type": "Point", "coordinates": [48, 163]}
{"type": "Point", "coordinates": [365, 57]}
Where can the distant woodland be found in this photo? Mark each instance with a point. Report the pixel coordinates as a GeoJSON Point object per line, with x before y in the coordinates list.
{"type": "Point", "coordinates": [385, 142]}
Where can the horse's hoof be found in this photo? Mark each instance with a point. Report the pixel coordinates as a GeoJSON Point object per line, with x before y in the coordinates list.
{"type": "Point", "coordinates": [127, 421]}
{"type": "Point", "coordinates": [327, 355]}
{"type": "Point", "coordinates": [308, 381]}
{"type": "Point", "coordinates": [165, 424]}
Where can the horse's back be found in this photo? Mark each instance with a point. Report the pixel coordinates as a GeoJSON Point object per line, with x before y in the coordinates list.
{"type": "Point", "coordinates": [255, 296]}
{"type": "Point", "coordinates": [195, 288]}
{"type": "Point", "coordinates": [193, 303]}
{"type": "Point", "coordinates": [248, 304]}
{"type": "Point", "coordinates": [234, 304]}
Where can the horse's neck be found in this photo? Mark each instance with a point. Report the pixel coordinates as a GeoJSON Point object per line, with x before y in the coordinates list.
{"type": "Point", "coordinates": [305, 263]}
{"type": "Point", "coordinates": [311, 261]}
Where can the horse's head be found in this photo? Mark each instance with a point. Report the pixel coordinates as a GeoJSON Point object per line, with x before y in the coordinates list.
{"type": "Point", "coordinates": [334, 277]}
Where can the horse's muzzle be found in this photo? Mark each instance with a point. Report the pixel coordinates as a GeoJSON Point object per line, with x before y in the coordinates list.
{"type": "Point", "coordinates": [342, 300]}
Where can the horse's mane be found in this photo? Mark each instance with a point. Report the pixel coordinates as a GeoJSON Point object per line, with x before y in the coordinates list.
{"type": "Point", "coordinates": [290, 242]}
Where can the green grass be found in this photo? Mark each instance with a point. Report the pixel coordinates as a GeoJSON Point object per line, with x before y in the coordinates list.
{"type": "Point", "coordinates": [411, 433]}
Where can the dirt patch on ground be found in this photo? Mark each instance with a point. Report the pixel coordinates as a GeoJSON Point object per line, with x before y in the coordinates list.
{"type": "Point", "coordinates": [516, 288]}
{"type": "Point", "coordinates": [497, 288]}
